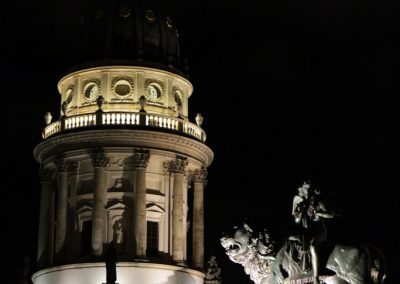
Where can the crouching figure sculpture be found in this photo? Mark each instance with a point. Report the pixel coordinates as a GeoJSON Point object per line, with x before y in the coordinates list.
{"type": "Point", "coordinates": [306, 256]}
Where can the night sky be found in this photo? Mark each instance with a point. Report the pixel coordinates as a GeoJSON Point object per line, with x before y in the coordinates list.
{"type": "Point", "coordinates": [289, 90]}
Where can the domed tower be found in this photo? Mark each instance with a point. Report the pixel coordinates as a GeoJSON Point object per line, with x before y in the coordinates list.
{"type": "Point", "coordinates": [123, 169]}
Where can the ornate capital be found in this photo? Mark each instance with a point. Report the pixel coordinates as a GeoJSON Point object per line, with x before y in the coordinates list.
{"type": "Point", "coordinates": [73, 166]}
{"type": "Point", "coordinates": [61, 164]}
{"type": "Point", "coordinates": [200, 175]}
{"type": "Point", "coordinates": [177, 166]}
{"type": "Point", "coordinates": [99, 159]}
{"type": "Point", "coordinates": [46, 174]}
{"type": "Point", "coordinates": [139, 159]}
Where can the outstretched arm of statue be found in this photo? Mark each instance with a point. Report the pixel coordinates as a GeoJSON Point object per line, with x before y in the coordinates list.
{"type": "Point", "coordinates": [323, 212]}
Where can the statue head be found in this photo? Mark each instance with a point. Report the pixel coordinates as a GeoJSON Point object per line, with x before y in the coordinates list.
{"type": "Point", "coordinates": [254, 251]}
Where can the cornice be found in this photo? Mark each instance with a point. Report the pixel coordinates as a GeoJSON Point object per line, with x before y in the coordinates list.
{"type": "Point", "coordinates": [90, 139]}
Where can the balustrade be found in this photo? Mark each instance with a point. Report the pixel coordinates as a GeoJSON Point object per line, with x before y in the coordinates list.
{"type": "Point", "coordinates": [128, 119]}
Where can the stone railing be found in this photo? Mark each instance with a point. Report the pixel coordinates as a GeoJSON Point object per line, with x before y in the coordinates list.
{"type": "Point", "coordinates": [137, 119]}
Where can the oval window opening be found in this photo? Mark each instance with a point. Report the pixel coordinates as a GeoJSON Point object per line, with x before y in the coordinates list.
{"type": "Point", "coordinates": [122, 89]}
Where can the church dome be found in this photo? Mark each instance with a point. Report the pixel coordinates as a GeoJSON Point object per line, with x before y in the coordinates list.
{"type": "Point", "coordinates": [130, 32]}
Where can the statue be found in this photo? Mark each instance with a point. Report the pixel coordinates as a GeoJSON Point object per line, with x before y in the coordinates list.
{"type": "Point", "coordinates": [213, 271]}
{"type": "Point", "coordinates": [309, 211]}
{"type": "Point", "coordinates": [306, 256]}
{"type": "Point", "coordinates": [119, 233]}
{"type": "Point", "coordinates": [111, 263]}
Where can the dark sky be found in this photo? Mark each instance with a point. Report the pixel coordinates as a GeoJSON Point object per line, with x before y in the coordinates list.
{"type": "Point", "coordinates": [288, 89]}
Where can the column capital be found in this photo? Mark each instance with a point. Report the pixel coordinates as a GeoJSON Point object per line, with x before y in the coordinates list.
{"type": "Point", "coordinates": [139, 159]}
{"type": "Point", "coordinates": [178, 165]}
{"type": "Point", "coordinates": [73, 166]}
{"type": "Point", "coordinates": [61, 164]}
{"type": "Point", "coordinates": [46, 174]}
{"type": "Point", "coordinates": [199, 175]}
{"type": "Point", "coordinates": [99, 158]}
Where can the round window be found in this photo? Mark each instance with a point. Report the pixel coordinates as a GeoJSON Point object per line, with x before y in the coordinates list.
{"type": "Point", "coordinates": [153, 91]}
{"type": "Point", "coordinates": [69, 95]}
{"type": "Point", "coordinates": [124, 12]}
{"type": "Point", "coordinates": [178, 98]}
{"type": "Point", "coordinates": [91, 91]}
{"type": "Point", "coordinates": [150, 16]}
{"type": "Point", "coordinates": [122, 88]}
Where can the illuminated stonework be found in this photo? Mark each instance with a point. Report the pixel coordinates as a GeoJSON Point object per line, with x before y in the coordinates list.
{"type": "Point", "coordinates": [103, 81]}
{"type": "Point", "coordinates": [127, 272]}
{"type": "Point", "coordinates": [121, 164]}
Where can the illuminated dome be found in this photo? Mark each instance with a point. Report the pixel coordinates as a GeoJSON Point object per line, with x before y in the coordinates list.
{"type": "Point", "coordinates": [132, 32]}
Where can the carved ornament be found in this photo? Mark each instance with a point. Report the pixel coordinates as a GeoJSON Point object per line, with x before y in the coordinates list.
{"type": "Point", "coordinates": [200, 175]}
{"type": "Point", "coordinates": [99, 159]}
{"type": "Point", "coordinates": [178, 165]}
{"type": "Point", "coordinates": [139, 159]}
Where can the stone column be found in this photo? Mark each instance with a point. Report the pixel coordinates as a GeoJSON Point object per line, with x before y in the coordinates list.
{"type": "Point", "coordinates": [62, 201]}
{"type": "Point", "coordinates": [52, 223]}
{"type": "Point", "coordinates": [99, 160]}
{"type": "Point", "coordinates": [140, 160]}
{"type": "Point", "coordinates": [45, 226]}
{"type": "Point", "coordinates": [199, 180]}
{"type": "Point", "coordinates": [177, 167]}
{"type": "Point", "coordinates": [72, 233]}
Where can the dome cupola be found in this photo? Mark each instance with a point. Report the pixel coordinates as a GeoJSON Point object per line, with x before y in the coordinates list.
{"type": "Point", "coordinates": [132, 32]}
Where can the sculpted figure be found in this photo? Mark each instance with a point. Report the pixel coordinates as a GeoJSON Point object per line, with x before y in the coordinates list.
{"type": "Point", "coordinates": [213, 271]}
{"type": "Point", "coordinates": [305, 256]}
{"type": "Point", "coordinates": [309, 211]}
{"type": "Point", "coordinates": [342, 264]}
{"type": "Point", "coordinates": [119, 233]}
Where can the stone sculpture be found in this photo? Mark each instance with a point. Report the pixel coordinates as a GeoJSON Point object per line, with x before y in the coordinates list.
{"type": "Point", "coordinates": [213, 272]}
{"type": "Point", "coordinates": [305, 257]}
